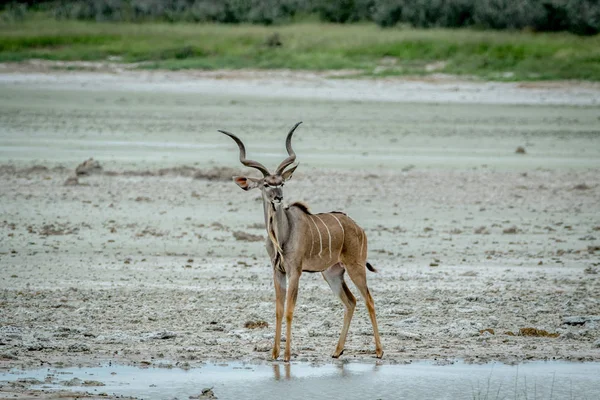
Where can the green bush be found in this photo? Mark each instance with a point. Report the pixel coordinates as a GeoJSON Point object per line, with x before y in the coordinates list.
{"type": "Point", "coordinates": [583, 16]}
{"type": "Point", "coordinates": [578, 16]}
{"type": "Point", "coordinates": [386, 13]}
{"type": "Point", "coordinates": [506, 14]}
{"type": "Point", "coordinates": [98, 10]}
{"type": "Point", "coordinates": [14, 12]}
{"type": "Point", "coordinates": [424, 13]}
{"type": "Point", "coordinates": [344, 11]}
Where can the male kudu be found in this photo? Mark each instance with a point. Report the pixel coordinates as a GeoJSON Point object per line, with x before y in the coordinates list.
{"type": "Point", "coordinates": [299, 241]}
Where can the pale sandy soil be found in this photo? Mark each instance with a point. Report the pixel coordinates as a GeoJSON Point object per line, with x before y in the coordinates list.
{"type": "Point", "coordinates": [139, 264]}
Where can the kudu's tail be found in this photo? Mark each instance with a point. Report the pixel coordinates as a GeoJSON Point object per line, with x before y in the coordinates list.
{"type": "Point", "coordinates": [371, 268]}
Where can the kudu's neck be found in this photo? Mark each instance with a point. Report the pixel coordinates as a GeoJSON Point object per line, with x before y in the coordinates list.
{"type": "Point", "coordinates": [280, 221]}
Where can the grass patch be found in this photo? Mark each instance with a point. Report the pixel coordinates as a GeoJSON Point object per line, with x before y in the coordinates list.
{"type": "Point", "coordinates": [309, 46]}
{"type": "Point", "coordinates": [537, 333]}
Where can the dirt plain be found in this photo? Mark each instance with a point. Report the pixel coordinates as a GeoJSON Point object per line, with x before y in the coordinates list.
{"type": "Point", "coordinates": [158, 257]}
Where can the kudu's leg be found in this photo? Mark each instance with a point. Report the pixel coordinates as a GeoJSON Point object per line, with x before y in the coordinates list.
{"type": "Point", "coordinates": [280, 291]}
{"type": "Point", "coordinates": [334, 276]}
{"type": "Point", "coordinates": [292, 295]}
{"type": "Point", "coordinates": [358, 274]}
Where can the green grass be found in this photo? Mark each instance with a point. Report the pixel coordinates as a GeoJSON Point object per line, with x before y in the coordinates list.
{"type": "Point", "coordinates": [370, 50]}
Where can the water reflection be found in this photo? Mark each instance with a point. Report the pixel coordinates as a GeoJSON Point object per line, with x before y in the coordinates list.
{"type": "Point", "coordinates": [277, 371]}
{"type": "Point", "coordinates": [340, 370]}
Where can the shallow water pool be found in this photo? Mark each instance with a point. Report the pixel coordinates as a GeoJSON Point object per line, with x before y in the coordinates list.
{"type": "Point", "coordinates": [418, 380]}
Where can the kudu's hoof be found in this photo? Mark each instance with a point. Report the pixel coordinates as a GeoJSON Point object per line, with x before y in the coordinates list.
{"type": "Point", "coordinates": [338, 355]}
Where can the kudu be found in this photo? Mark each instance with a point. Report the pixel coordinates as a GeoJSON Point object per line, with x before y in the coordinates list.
{"type": "Point", "coordinates": [299, 241]}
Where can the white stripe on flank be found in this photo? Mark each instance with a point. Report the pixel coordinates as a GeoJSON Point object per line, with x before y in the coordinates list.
{"type": "Point", "coordinates": [328, 233]}
{"type": "Point", "coordinates": [362, 241]}
{"type": "Point", "coordinates": [319, 232]}
{"type": "Point", "coordinates": [312, 239]}
{"type": "Point", "coordinates": [338, 221]}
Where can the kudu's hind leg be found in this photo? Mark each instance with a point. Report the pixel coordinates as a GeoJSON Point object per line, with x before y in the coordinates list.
{"type": "Point", "coordinates": [280, 291]}
{"type": "Point", "coordinates": [334, 276]}
{"type": "Point", "coordinates": [358, 274]}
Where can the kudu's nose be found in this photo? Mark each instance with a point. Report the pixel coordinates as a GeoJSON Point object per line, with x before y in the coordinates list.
{"type": "Point", "coordinates": [278, 198]}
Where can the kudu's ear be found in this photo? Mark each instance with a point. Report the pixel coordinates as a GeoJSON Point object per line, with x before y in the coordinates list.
{"type": "Point", "coordinates": [246, 183]}
{"type": "Point", "coordinates": [287, 175]}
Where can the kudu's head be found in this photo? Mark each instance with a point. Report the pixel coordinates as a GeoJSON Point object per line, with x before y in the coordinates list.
{"type": "Point", "coordinates": [271, 185]}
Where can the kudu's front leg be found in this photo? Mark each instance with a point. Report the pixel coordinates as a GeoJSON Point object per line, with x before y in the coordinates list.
{"type": "Point", "coordinates": [292, 295]}
{"type": "Point", "coordinates": [280, 292]}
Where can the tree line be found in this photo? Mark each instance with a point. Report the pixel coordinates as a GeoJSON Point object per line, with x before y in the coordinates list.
{"type": "Point", "coordinates": [581, 17]}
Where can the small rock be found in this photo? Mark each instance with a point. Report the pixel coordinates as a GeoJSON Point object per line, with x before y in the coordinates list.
{"type": "Point", "coordinates": [33, 346]}
{"type": "Point", "coordinates": [78, 348]}
{"type": "Point", "coordinates": [8, 356]}
{"type": "Point", "coordinates": [408, 335]}
{"type": "Point", "coordinates": [262, 347]}
{"type": "Point", "coordinates": [247, 237]}
{"type": "Point", "coordinates": [30, 381]}
{"type": "Point", "coordinates": [207, 393]}
{"type": "Point", "coordinates": [520, 150]}
{"type": "Point", "coordinates": [216, 174]}
{"type": "Point", "coordinates": [482, 230]}
{"type": "Point", "coordinates": [72, 382]}
{"type": "Point", "coordinates": [575, 320]}
{"type": "Point", "coordinates": [71, 181]}
{"type": "Point", "coordinates": [326, 324]}
{"type": "Point", "coordinates": [161, 335]}
{"type": "Point", "coordinates": [581, 186]}
{"type": "Point", "coordinates": [88, 167]}
{"type": "Point", "coordinates": [406, 321]}
{"type": "Point", "coordinates": [568, 336]}
{"type": "Point", "coordinates": [92, 383]}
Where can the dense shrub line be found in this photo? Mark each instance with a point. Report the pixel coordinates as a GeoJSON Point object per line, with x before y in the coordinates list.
{"type": "Point", "coordinates": [578, 16]}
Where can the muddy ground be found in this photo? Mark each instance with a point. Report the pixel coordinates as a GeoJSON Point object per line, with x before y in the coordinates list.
{"type": "Point", "coordinates": [159, 257]}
